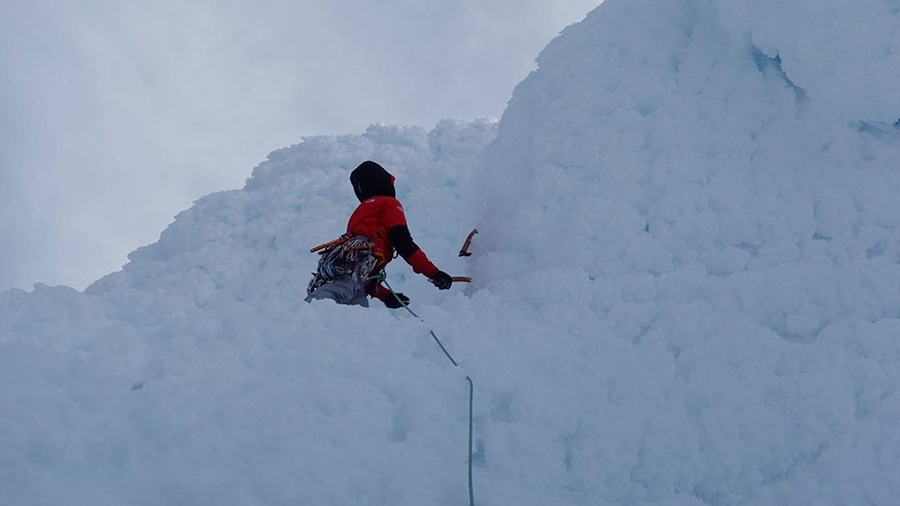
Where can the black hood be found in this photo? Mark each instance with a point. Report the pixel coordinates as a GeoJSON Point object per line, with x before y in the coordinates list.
{"type": "Point", "coordinates": [370, 179]}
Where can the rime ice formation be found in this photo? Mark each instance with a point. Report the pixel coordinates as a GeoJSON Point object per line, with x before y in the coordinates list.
{"type": "Point", "coordinates": [685, 293]}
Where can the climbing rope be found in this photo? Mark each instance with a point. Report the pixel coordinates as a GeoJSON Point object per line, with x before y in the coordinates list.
{"type": "Point", "coordinates": [471, 488]}
{"type": "Point", "coordinates": [455, 364]}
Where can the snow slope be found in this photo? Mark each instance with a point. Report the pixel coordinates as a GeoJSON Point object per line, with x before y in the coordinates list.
{"type": "Point", "coordinates": [197, 374]}
{"type": "Point", "coordinates": [685, 294]}
{"type": "Point", "coordinates": [708, 196]}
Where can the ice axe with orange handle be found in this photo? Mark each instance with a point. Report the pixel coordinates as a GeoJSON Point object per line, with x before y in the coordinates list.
{"type": "Point", "coordinates": [464, 252]}
{"type": "Point", "coordinates": [458, 279]}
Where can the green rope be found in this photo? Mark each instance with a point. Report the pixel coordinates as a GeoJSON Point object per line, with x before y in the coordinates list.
{"type": "Point", "coordinates": [406, 306]}
{"type": "Point", "coordinates": [471, 487]}
{"type": "Point", "coordinates": [381, 277]}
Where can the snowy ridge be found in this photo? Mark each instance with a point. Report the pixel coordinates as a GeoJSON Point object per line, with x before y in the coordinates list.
{"type": "Point", "coordinates": [296, 199]}
{"type": "Point", "coordinates": [732, 238]}
{"type": "Point", "coordinates": [197, 375]}
{"type": "Point", "coordinates": [685, 293]}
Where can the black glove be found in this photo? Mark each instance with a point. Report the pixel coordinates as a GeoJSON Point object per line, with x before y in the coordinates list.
{"type": "Point", "coordinates": [442, 280]}
{"type": "Point", "coordinates": [392, 302]}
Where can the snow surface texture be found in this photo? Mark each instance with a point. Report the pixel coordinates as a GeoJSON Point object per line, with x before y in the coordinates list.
{"type": "Point", "coordinates": [197, 374]}
{"type": "Point", "coordinates": [685, 293]}
{"type": "Point", "coordinates": [700, 207]}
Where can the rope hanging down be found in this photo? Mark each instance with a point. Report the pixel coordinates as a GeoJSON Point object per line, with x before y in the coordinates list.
{"type": "Point", "coordinates": [471, 387]}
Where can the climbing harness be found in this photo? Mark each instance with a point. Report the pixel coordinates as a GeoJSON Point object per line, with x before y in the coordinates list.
{"type": "Point", "coordinates": [347, 257]}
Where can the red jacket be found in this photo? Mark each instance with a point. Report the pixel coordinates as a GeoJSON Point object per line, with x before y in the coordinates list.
{"type": "Point", "coordinates": [382, 220]}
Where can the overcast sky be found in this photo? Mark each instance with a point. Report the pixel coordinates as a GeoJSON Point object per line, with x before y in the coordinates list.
{"type": "Point", "coordinates": [116, 114]}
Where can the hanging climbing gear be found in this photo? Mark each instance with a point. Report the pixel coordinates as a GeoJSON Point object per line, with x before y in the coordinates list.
{"type": "Point", "coordinates": [340, 240]}
{"type": "Point", "coordinates": [347, 257]}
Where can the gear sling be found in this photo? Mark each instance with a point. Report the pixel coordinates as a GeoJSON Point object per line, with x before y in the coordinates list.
{"type": "Point", "coordinates": [349, 257]}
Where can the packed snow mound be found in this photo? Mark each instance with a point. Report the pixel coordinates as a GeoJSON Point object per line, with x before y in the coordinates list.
{"type": "Point", "coordinates": [844, 55]}
{"type": "Point", "coordinates": [685, 293]}
{"type": "Point", "coordinates": [658, 138]}
{"type": "Point", "coordinates": [197, 374]}
{"type": "Point", "coordinates": [241, 244]}
{"type": "Point", "coordinates": [707, 191]}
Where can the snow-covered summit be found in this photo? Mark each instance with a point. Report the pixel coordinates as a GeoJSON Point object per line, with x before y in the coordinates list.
{"type": "Point", "coordinates": [685, 293]}
{"type": "Point", "coordinates": [704, 144]}
{"type": "Point", "coordinates": [711, 189]}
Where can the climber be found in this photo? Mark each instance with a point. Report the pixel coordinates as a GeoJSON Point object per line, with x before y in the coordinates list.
{"type": "Point", "coordinates": [351, 268]}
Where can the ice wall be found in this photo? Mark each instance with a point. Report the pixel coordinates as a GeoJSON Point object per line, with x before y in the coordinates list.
{"type": "Point", "coordinates": [707, 190]}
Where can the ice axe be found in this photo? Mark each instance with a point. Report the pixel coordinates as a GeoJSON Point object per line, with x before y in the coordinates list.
{"type": "Point", "coordinates": [458, 279]}
{"type": "Point", "coordinates": [464, 251]}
